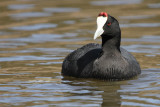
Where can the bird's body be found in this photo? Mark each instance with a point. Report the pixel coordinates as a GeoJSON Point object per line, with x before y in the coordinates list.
{"type": "Point", "coordinates": [83, 63]}
{"type": "Point", "coordinates": [106, 61]}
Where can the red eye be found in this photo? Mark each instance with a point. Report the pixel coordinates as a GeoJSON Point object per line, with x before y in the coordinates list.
{"type": "Point", "coordinates": [109, 23]}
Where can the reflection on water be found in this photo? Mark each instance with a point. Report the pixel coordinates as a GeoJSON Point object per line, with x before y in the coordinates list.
{"type": "Point", "coordinates": [70, 91]}
{"type": "Point", "coordinates": [147, 83]}
{"type": "Point", "coordinates": [137, 17]}
{"type": "Point", "coordinates": [146, 38]}
{"type": "Point", "coordinates": [20, 6]}
{"type": "Point", "coordinates": [61, 10]}
{"type": "Point", "coordinates": [35, 36]}
{"type": "Point", "coordinates": [40, 38]}
{"type": "Point", "coordinates": [69, 22]}
{"type": "Point", "coordinates": [143, 48]}
{"type": "Point", "coordinates": [50, 63]}
{"type": "Point", "coordinates": [23, 58]}
{"type": "Point", "coordinates": [139, 48]}
{"type": "Point", "coordinates": [34, 27]}
{"type": "Point", "coordinates": [157, 5]}
{"type": "Point", "coordinates": [3, 33]}
{"type": "Point", "coordinates": [140, 25]}
{"type": "Point", "coordinates": [116, 2]}
{"type": "Point", "coordinates": [11, 45]}
{"type": "Point", "coordinates": [30, 14]}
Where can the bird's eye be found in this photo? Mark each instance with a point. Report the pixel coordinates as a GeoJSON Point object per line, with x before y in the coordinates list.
{"type": "Point", "coordinates": [109, 24]}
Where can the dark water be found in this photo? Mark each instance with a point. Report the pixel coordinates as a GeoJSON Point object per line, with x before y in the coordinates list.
{"type": "Point", "coordinates": [36, 35]}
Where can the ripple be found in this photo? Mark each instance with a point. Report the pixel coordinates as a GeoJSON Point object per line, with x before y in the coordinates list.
{"type": "Point", "coordinates": [8, 88]}
{"type": "Point", "coordinates": [146, 38]}
{"type": "Point", "coordinates": [152, 94]}
{"type": "Point", "coordinates": [15, 74]}
{"type": "Point", "coordinates": [143, 82]}
{"type": "Point", "coordinates": [140, 25]}
{"type": "Point", "coordinates": [36, 38]}
{"type": "Point", "coordinates": [25, 58]}
{"type": "Point", "coordinates": [139, 91]}
{"type": "Point", "coordinates": [43, 89]}
{"type": "Point", "coordinates": [150, 55]}
{"type": "Point", "coordinates": [34, 27]}
{"type": "Point", "coordinates": [49, 63]}
{"type": "Point", "coordinates": [40, 38]}
{"type": "Point", "coordinates": [116, 2]}
{"type": "Point", "coordinates": [137, 17]}
{"type": "Point", "coordinates": [29, 15]}
{"type": "Point", "coordinates": [9, 95]}
{"type": "Point", "coordinates": [148, 100]}
{"type": "Point", "coordinates": [74, 104]}
{"type": "Point", "coordinates": [11, 45]}
{"type": "Point", "coordinates": [53, 51]}
{"type": "Point", "coordinates": [61, 10]}
{"type": "Point", "coordinates": [157, 5]}
{"type": "Point", "coordinates": [69, 22]}
{"type": "Point", "coordinates": [143, 48]}
{"type": "Point", "coordinates": [52, 99]}
{"type": "Point", "coordinates": [151, 37]}
{"type": "Point", "coordinates": [4, 33]}
{"type": "Point", "coordinates": [20, 6]}
{"type": "Point", "coordinates": [138, 104]}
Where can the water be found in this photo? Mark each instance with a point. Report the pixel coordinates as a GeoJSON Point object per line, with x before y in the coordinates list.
{"type": "Point", "coordinates": [36, 35]}
{"type": "Point", "coordinates": [115, 2]}
{"type": "Point", "coordinates": [29, 15]}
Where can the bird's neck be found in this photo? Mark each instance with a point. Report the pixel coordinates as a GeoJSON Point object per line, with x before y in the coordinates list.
{"type": "Point", "coordinates": [110, 44]}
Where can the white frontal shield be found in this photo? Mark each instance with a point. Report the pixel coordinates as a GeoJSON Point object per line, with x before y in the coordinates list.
{"type": "Point", "coordinates": [100, 23]}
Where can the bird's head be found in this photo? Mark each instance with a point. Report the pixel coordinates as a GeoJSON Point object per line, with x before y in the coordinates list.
{"type": "Point", "coordinates": [106, 26]}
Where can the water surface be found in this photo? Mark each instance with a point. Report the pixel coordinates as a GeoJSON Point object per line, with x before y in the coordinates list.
{"type": "Point", "coordinates": [36, 35]}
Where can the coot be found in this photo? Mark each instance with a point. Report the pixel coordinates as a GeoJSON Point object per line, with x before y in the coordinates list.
{"type": "Point", "coordinates": [106, 61]}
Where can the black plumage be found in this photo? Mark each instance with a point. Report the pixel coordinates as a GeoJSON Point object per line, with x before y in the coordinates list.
{"type": "Point", "coordinates": [106, 61]}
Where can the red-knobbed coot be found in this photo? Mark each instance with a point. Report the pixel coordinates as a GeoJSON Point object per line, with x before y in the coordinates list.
{"type": "Point", "coordinates": [106, 61]}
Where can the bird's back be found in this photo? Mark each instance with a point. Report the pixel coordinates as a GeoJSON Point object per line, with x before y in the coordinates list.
{"type": "Point", "coordinates": [80, 61]}
{"type": "Point", "coordinates": [134, 65]}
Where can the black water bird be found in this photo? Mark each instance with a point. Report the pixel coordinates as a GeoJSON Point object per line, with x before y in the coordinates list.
{"type": "Point", "coordinates": [106, 61]}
